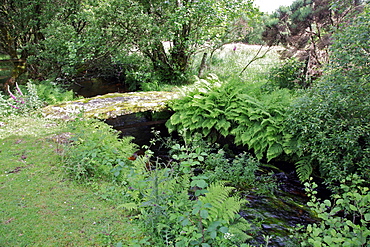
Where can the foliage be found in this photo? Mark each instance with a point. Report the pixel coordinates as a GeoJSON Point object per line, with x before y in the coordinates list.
{"type": "Point", "coordinates": [305, 28]}
{"type": "Point", "coordinates": [161, 195]}
{"type": "Point", "coordinates": [51, 93]}
{"type": "Point", "coordinates": [243, 172]}
{"type": "Point", "coordinates": [183, 25]}
{"type": "Point", "coordinates": [76, 46]}
{"type": "Point", "coordinates": [350, 50]}
{"type": "Point", "coordinates": [177, 201]}
{"type": "Point", "coordinates": [290, 74]}
{"type": "Point", "coordinates": [95, 150]}
{"type": "Point", "coordinates": [331, 120]}
{"type": "Point", "coordinates": [256, 26]}
{"type": "Point", "coordinates": [344, 221]}
{"type": "Point", "coordinates": [74, 39]}
{"type": "Point", "coordinates": [22, 24]}
{"type": "Point", "coordinates": [19, 102]}
{"type": "Point", "coordinates": [254, 119]}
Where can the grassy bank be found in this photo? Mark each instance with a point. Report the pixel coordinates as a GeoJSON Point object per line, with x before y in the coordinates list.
{"type": "Point", "coordinates": [39, 205]}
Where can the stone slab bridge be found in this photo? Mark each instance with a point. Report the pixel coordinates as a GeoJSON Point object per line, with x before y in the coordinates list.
{"type": "Point", "coordinates": [110, 106]}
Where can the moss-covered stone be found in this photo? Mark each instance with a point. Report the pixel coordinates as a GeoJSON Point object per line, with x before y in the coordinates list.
{"type": "Point", "coordinates": [111, 105]}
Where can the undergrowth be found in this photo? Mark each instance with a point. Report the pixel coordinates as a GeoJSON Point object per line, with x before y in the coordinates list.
{"type": "Point", "coordinates": [254, 118]}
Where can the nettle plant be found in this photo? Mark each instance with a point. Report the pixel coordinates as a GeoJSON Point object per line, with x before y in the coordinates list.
{"type": "Point", "coordinates": [253, 118]}
{"type": "Point", "coordinates": [242, 171]}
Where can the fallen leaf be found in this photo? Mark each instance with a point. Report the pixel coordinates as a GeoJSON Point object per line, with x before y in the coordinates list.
{"type": "Point", "coordinates": [8, 221]}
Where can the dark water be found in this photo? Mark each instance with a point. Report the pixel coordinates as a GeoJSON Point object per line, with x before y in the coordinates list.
{"type": "Point", "coordinates": [277, 214]}
{"type": "Point", "coordinates": [97, 86]}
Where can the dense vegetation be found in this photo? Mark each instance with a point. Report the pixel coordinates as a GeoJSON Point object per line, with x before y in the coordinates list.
{"type": "Point", "coordinates": [310, 111]}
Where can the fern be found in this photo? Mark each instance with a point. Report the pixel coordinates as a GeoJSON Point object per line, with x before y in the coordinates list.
{"type": "Point", "coordinates": [253, 119]}
{"type": "Point", "coordinates": [223, 207]}
{"type": "Point", "coordinates": [304, 169]}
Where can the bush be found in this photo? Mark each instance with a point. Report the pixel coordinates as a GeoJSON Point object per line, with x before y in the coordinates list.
{"type": "Point", "coordinates": [344, 221]}
{"type": "Point", "coordinates": [95, 150]}
{"type": "Point", "coordinates": [242, 111]}
{"type": "Point", "coordinates": [332, 119]}
{"type": "Point", "coordinates": [290, 74]}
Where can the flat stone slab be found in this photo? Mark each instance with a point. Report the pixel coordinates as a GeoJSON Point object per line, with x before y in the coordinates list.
{"type": "Point", "coordinates": [111, 105]}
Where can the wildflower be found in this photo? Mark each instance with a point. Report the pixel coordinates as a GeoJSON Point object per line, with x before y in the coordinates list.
{"type": "Point", "coordinates": [11, 94]}
{"type": "Point", "coordinates": [14, 97]}
{"type": "Point", "coordinates": [15, 107]}
{"type": "Point", "coordinates": [228, 235]}
{"type": "Point", "coordinates": [18, 89]}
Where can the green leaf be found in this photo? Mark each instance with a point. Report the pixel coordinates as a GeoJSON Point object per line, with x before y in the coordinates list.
{"type": "Point", "coordinates": [213, 234]}
{"type": "Point", "coordinates": [367, 216]}
{"type": "Point", "coordinates": [274, 151]}
{"type": "Point", "coordinates": [185, 222]}
{"type": "Point", "coordinates": [224, 229]}
{"type": "Point", "coordinates": [203, 214]}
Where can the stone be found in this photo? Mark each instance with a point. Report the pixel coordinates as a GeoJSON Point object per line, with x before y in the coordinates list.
{"type": "Point", "coordinates": [111, 105]}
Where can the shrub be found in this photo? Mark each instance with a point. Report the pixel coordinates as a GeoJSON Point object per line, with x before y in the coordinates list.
{"type": "Point", "coordinates": [332, 119]}
{"type": "Point", "coordinates": [95, 150]}
{"type": "Point", "coordinates": [332, 123]}
{"type": "Point", "coordinates": [343, 221]}
{"type": "Point", "coordinates": [242, 111]}
{"type": "Point", "coordinates": [290, 74]}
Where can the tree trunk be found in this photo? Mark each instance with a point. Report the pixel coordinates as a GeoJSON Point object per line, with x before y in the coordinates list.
{"type": "Point", "coordinates": [202, 64]}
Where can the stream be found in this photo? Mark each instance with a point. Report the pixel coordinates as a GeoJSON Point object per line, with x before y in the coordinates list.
{"type": "Point", "coordinates": [273, 216]}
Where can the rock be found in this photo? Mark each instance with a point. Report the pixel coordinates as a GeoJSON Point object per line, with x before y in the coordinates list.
{"type": "Point", "coordinates": [111, 105]}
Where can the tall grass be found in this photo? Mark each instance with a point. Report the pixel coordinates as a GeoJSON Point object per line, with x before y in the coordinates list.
{"type": "Point", "coordinates": [229, 61]}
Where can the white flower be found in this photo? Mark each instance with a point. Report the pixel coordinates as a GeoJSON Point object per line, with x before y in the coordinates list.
{"type": "Point", "coordinates": [228, 235]}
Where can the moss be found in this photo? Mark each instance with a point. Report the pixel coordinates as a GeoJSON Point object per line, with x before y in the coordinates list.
{"type": "Point", "coordinates": [111, 105]}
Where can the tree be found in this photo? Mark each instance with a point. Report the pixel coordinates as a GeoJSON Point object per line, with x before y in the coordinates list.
{"type": "Point", "coordinates": [305, 30]}
{"type": "Point", "coordinates": [21, 25]}
{"type": "Point", "coordinates": [331, 120]}
{"type": "Point", "coordinates": [170, 32]}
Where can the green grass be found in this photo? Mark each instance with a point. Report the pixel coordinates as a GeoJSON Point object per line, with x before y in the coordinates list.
{"type": "Point", "coordinates": [227, 64]}
{"type": "Point", "coordinates": [39, 205]}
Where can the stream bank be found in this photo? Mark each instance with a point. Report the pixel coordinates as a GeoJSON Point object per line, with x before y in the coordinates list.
{"type": "Point", "coordinates": [274, 215]}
